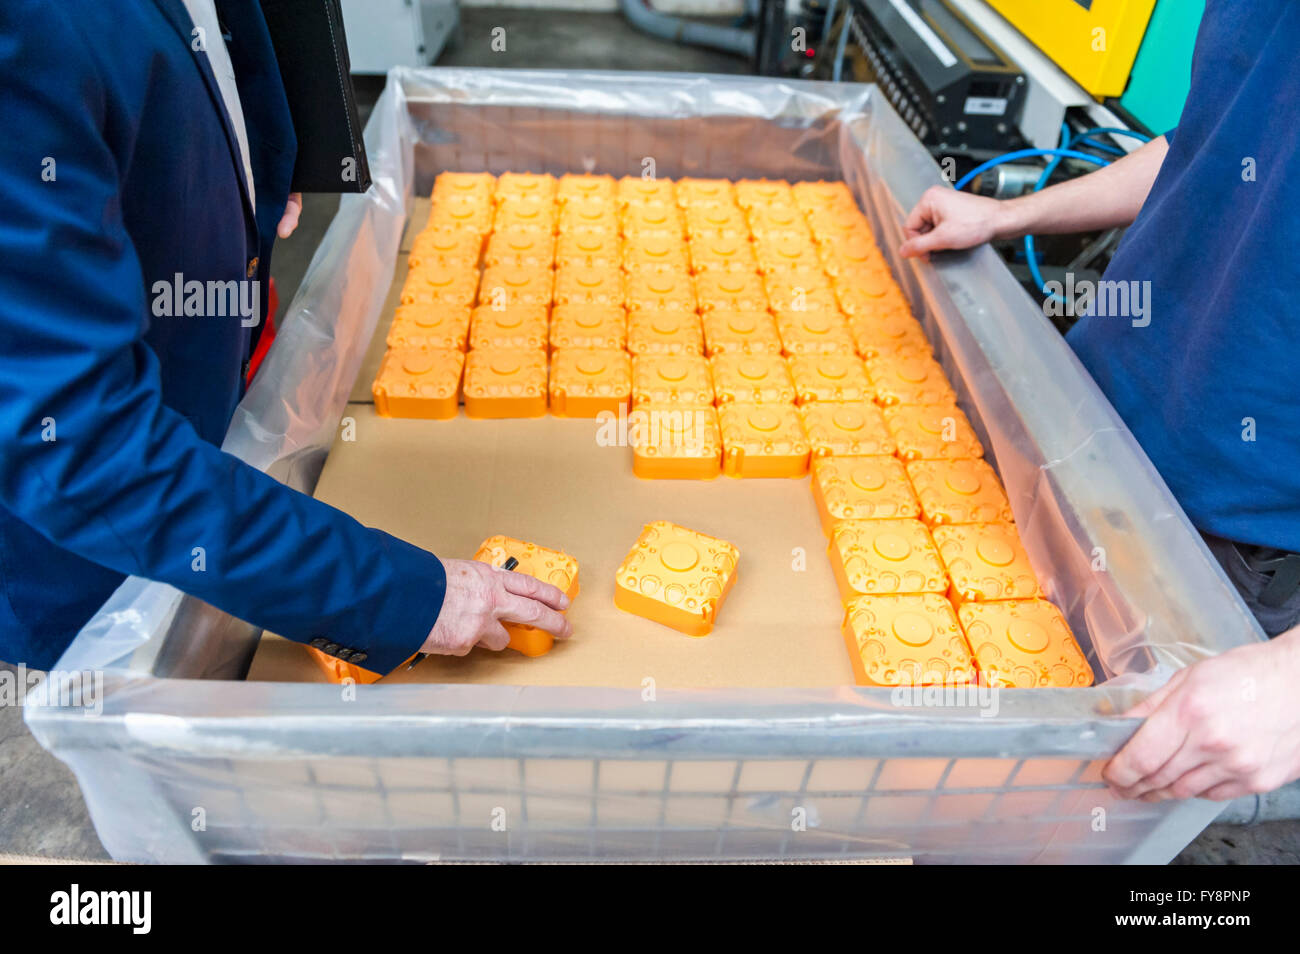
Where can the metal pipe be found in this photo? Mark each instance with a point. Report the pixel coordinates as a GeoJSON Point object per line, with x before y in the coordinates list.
{"type": "Point", "coordinates": [676, 30]}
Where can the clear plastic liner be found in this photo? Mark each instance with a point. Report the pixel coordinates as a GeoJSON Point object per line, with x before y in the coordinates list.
{"type": "Point", "coordinates": [180, 763]}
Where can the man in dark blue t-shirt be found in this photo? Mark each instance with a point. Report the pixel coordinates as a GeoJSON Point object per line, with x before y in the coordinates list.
{"type": "Point", "coordinates": [1207, 378]}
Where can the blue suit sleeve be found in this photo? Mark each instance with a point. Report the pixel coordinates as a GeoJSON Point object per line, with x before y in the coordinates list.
{"type": "Point", "coordinates": [1169, 136]}
{"type": "Point", "coordinates": [126, 482]}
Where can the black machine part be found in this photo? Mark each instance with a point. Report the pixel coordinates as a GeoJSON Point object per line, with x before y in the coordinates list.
{"type": "Point", "coordinates": [957, 90]}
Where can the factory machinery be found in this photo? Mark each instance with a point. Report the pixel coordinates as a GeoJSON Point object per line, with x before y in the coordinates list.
{"type": "Point", "coordinates": [1009, 96]}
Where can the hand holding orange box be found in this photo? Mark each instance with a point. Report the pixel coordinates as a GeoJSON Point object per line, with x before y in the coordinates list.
{"type": "Point", "coordinates": [677, 577]}
{"type": "Point", "coordinates": [550, 566]}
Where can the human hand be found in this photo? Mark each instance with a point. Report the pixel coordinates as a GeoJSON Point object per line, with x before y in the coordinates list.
{"type": "Point", "coordinates": [1222, 728]}
{"type": "Point", "coordinates": [289, 221]}
{"type": "Point", "coordinates": [945, 218]}
{"type": "Point", "coordinates": [480, 597]}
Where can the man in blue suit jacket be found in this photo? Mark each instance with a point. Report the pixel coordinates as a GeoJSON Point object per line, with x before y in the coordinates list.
{"type": "Point", "coordinates": [126, 162]}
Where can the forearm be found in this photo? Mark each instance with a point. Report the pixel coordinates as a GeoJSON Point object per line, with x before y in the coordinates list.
{"type": "Point", "coordinates": [1107, 198]}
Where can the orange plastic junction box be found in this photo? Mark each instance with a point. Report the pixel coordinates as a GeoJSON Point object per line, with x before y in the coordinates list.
{"type": "Point", "coordinates": [730, 291]}
{"type": "Point", "coordinates": [505, 383]}
{"type": "Point", "coordinates": [589, 326]}
{"type": "Point", "coordinates": [479, 184]}
{"type": "Point", "coordinates": [589, 248]}
{"type": "Point", "coordinates": [576, 186]}
{"type": "Point", "coordinates": [665, 332]}
{"type": "Point", "coordinates": [657, 252]}
{"type": "Point", "coordinates": [909, 379]}
{"type": "Point", "coordinates": [762, 440]}
{"type": "Point", "coordinates": [820, 194]}
{"type": "Point", "coordinates": [906, 640]}
{"type": "Point", "coordinates": [636, 190]}
{"type": "Point", "coordinates": [740, 332]}
{"type": "Point", "coordinates": [582, 214]}
{"type": "Point", "coordinates": [520, 249]}
{"type": "Point", "coordinates": [986, 561]}
{"type": "Point", "coordinates": [638, 221]}
{"type": "Point", "coordinates": [958, 491]}
{"type": "Point", "coordinates": [467, 213]}
{"type": "Point", "coordinates": [781, 252]}
{"type": "Point", "coordinates": [677, 577]}
{"type": "Point", "coordinates": [550, 566]}
{"type": "Point", "coordinates": [504, 287]}
{"type": "Point", "coordinates": [445, 284]}
{"type": "Point", "coordinates": [777, 218]}
{"type": "Point", "coordinates": [676, 380]}
{"type": "Point", "coordinates": [430, 325]}
{"type": "Point", "coordinates": [800, 292]}
{"type": "Point", "coordinates": [894, 334]}
{"type": "Point", "coordinates": [1024, 644]}
{"type": "Point", "coordinates": [861, 488]}
{"type": "Point", "coordinates": [581, 285]}
{"type": "Point", "coordinates": [674, 442]}
{"type": "Point", "coordinates": [850, 429]}
{"type": "Point", "coordinates": [339, 671]}
{"type": "Point", "coordinates": [660, 290]}
{"type": "Point", "coordinates": [752, 192]}
{"type": "Point", "coordinates": [528, 212]}
{"type": "Point", "coordinates": [855, 302]}
{"type": "Point", "coordinates": [814, 332]}
{"type": "Point", "coordinates": [513, 185]}
{"type": "Point", "coordinates": [932, 432]}
{"type": "Point", "coordinates": [704, 192]}
{"type": "Point", "coordinates": [419, 382]}
{"type": "Point", "coordinates": [829, 377]}
{"type": "Point", "coordinates": [722, 253]}
{"type": "Point", "coordinates": [716, 219]}
{"type": "Point", "coordinates": [870, 557]}
{"type": "Point", "coordinates": [446, 247]}
{"type": "Point", "coordinates": [751, 379]}
{"type": "Point", "coordinates": [521, 327]}
{"type": "Point", "coordinates": [585, 382]}
{"type": "Point", "coordinates": [856, 254]}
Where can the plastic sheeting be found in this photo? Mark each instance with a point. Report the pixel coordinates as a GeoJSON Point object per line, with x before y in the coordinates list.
{"type": "Point", "coordinates": [180, 764]}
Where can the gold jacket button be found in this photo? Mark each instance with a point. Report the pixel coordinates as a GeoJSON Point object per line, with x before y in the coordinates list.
{"type": "Point", "coordinates": [252, 266]}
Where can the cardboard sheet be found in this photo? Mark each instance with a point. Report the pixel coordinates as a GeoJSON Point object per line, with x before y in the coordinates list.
{"type": "Point", "coordinates": [447, 485]}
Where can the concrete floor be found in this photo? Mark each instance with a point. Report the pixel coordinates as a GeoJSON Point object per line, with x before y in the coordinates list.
{"type": "Point", "coordinates": [41, 809]}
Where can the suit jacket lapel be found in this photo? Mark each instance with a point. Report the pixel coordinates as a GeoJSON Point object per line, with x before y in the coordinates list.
{"type": "Point", "coordinates": [179, 17]}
